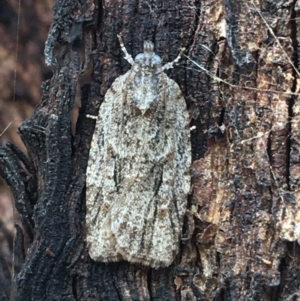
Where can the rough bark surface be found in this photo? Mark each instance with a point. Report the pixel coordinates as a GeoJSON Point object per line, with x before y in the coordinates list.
{"type": "Point", "coordinates": [23, 30]}
{"type": "Point", "coordinates": [20, 93]}
{"type": "Point", "coordinates": [240, 81]}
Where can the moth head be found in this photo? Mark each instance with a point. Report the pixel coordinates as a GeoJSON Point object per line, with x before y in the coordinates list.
{"type": "Point", "coordinates": [148, 62]}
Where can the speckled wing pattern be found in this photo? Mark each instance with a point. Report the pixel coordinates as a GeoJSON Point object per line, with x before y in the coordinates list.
{"type": "Point", "coordinates": [138, 174]}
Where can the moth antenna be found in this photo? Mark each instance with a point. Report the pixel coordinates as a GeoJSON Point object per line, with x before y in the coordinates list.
{"type": "Point", "coordinates": [171, 64]}
{"type": "Point", "coordinates": [127, 56]}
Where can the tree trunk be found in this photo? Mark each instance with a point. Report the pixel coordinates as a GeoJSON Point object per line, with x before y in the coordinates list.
{"type": "Point", "coordinates": [240, 81]}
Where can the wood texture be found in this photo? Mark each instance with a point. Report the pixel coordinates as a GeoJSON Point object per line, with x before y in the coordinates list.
{"type": "Point", "coordinates": [240, 80]}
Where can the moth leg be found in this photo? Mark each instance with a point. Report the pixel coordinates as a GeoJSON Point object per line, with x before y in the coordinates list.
{"type": "Point", "coordinates": [171, 64]}
{"type": "Point", "coordinates": [127, 56]}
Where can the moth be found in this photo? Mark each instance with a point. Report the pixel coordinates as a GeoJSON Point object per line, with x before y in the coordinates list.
{"type": "Point", "coordinates": [138, 177]}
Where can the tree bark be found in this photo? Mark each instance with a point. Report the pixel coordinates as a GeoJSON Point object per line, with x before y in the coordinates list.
{"type": "Point", "coordinates": [240, 80]}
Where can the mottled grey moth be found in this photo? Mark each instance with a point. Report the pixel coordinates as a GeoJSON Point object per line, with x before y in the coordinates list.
{"type": "Point", "coordinates": [138, 174]}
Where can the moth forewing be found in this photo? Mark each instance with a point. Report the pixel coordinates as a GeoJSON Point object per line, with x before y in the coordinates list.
{"type": "Point", "coordinates": [138, 169]}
